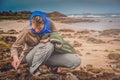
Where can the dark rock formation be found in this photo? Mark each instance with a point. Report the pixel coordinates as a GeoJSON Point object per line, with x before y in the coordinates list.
{"type": "Point", "coordinates": [55, 14]}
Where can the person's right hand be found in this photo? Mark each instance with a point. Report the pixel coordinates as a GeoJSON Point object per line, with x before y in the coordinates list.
{"type": "Point", "coordinates": [45, 40]}
{"type": "Point", "coordinates": [15, 62]}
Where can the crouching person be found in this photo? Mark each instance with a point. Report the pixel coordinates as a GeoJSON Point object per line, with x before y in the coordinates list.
{"type": "Point", "coordinates": [44, 46]}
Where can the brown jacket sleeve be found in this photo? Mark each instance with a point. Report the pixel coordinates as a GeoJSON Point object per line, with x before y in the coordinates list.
{"type": "Point", "coordinates": [19, 43]}
{"type": "Point", "coordinates": [53, 27]}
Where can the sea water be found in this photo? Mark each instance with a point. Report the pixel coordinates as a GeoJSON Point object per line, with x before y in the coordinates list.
{"type": "Point", "coordinates": [102, 21]}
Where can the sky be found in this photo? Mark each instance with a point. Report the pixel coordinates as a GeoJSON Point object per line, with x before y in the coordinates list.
{"type": "Point", "coordinates": [63, 6]}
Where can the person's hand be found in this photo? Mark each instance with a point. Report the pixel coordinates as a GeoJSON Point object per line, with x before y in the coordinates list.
{"type": "Point", "coordinates": [15, 62]}
{"type": "Point", "coordinates": [45, 40]}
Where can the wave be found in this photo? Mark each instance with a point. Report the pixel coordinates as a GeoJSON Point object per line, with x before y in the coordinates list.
{"type": "Point", "coordinates": [93, 15]}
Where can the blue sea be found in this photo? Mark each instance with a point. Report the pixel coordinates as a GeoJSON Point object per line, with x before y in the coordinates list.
{"type": "Point", "coordinates": [102, 21]}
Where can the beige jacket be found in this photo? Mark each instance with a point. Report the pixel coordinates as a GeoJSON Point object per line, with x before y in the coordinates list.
{"type": "Point", "coordinates": [27, 38]}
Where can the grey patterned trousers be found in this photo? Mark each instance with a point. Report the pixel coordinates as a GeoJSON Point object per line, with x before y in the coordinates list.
{"type": "Point", "coordinates": [43, 53]}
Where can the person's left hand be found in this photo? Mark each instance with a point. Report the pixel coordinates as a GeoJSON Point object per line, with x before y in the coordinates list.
{"type": "Point", "coordinates": [45, 40]}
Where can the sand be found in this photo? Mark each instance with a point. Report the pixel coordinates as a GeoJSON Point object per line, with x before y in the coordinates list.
{"type": "Point", "coordinates": [91, 53]}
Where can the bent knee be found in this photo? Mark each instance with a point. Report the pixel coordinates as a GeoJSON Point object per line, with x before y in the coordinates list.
{"type": "Point", "coordinates": [76, 62]}
{"type": "Point", "coordinates": [73, 61]}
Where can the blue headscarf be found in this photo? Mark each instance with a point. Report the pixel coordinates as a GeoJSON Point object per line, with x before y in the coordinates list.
{"type": "Point", "coordinates": [46, 29]}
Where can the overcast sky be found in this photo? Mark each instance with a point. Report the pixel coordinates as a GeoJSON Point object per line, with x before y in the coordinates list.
{"type": "Point", "coordinates": [64, 6]}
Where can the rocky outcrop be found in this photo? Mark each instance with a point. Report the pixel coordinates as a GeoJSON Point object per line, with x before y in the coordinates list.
{"type": "Point", "coordinates": [55, 14]}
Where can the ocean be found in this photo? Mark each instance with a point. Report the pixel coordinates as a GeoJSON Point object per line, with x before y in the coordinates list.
{"type": "Point", "coordinates": [102, 21]}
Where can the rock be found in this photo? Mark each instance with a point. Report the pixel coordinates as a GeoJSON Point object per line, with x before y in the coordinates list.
{"type": "Point", "coordinates": [66, 30]}
{"type": "Point", "coordinates": [88, 53]}
{"type": "Point", "coordinates": [83, 32]}
{"type": "Point", "coordinates": [2, 32]}
{"type": "Point", "coordinates": [6, 42]}
{"type": "Point", "coordinates": [77, 44]}
{"type": "Point", "coordinates": [111, 32]}
{"type": "Point", "coordinates": [78, 52]}
{"type": "Point", "coordinates": [108, 75]}
{"type": "Point", "coordinates": [12, 31]}
{"type": "Point", "coordinates": [114, 41]}
{"type": "Point", "coordinates": [117, 49]}
{"type": "Point", "coordinates": [66, 35]}
{"type": "Point", "coordinates": [1, 37]}
{"type": "Point", "coordinates": [96, 70]}
{"type": "Point", "coordinates": [71, 20]}
{"type": "Point", "coordinates": [89, 67]}
{"type": "Point", "coordinates": [71, 76]}
{"type": "Point", "coordinates": [55, 14]}
{"type": "Point", "coordinates": [114, 56]}
{"type": "Point", "coordinates": [81, 75]}
{"type": "Point", "coordinates": [4, 46]}
{"type": "Point", "coordinates": [44, 69]}
{"type": "Point", "coordinates": [10, 38]}
{"type": "Point", "coordinates": [96, 41]}
{"type": "Point", "coordinates": [106, 50]}
{"type": "Point", "coordinates": [117, 70]}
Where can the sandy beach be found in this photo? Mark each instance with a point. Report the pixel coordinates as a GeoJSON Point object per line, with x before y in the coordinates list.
{"type": "Point", "coordinates": [90, 52]}
{"type": "Point", "coordinates": [94, 47]}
